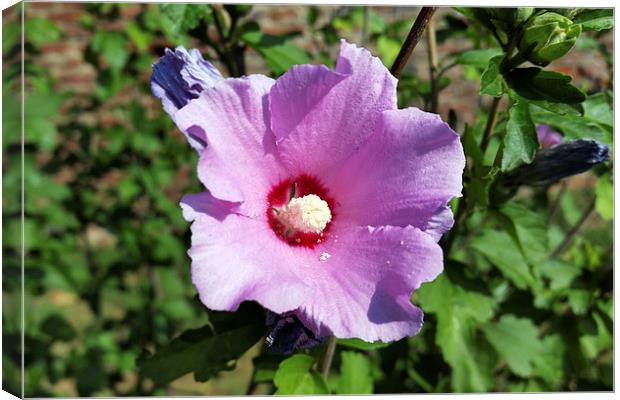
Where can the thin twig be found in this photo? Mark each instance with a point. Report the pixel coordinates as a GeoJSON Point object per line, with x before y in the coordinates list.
{"type": "Point", "coordinates": [573, 232]}
{"type": "Point", "coordinates": [431, 46]}
{"type": "Point", "coordinates": [365, 24]}
{"type": "Point", "coordinates": [328, 357]}
{"type": "Point", "coordinates": [426, 13]}
{"type": "Point", "coordinates": [488, 130]}
{"type": "Point", "coordinates": [252, 384]}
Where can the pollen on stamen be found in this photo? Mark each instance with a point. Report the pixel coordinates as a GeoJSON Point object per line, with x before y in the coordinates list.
{"type": "Point", "coordinates": [309, 213]}
{"type": "Point", "coordinates": [300, 211]}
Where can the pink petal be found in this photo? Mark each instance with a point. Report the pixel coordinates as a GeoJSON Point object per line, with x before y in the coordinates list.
{"type": "Point", "coordinates": [240, 162]}
{"type": "Point", "coordinates": [240, 258]}
{"type": "Point", "coordinates": [204, 203]}
{"type": "Point", "coordinates": [364, 288]}
{"type": "Point", "coordinates": [440, 223]}
{"type": "Point", "coordinates": [320, 116]}
{"type": "Point", "coordinates": [404, 175]}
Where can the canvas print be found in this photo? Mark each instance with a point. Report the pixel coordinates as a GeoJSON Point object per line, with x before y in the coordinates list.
{"type": "Point", "coordinates": [251, 199]}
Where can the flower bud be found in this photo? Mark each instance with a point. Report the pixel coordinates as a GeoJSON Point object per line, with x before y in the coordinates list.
{"type": "Point", "coordinates": [550, 165]}
{"type": "Point", "coordinates": [547, 136]}
{"type": "Point", "coordinates": [547, 37]}
{"type": "Point", "coordinates": [512, 17]}
{"type": "Point", "coordinates": [287, 334]}
{"type": "Point", "coordinates": [180, 76]}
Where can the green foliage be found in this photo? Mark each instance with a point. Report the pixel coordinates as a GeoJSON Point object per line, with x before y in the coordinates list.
{"type": "Point", "coordinates": [40, 31]}
{"type": "Point", "coordinates": [548, 36]}
{"type": "Point", "coordinates": [360, 344]}
{"type": "Point", "coordinates": [458, 313]}
{"type": "Point", "coordinates": [279, 54]}
{"type": "Point", "coordinates": [113, 47]}
{"type": "Point", "coordinates": [207, 350]}
{"type": "Point", "coordinates": [355, 374]}
{"type": "Point", "coordinates": [546, 89]}
{"type": "Point", "coordinates": [112, 310]}
{"type": "Point", "coordinates": [185, 17]}
{"type": "Point", "coordinates": [595, 19]}
{"type": "Point", "coordinates": [491, 82]}
{"type": "Point", "coordinates": [520, 141]}
{"type": "Point", "coordinates": [516, 341]}
{"type": "Point", "coordinates": [294, 377]}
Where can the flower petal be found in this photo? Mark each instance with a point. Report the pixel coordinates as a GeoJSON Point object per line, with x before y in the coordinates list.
{"type": "Point", "coordinates": [404, 175]}
{"type": "Point", "coordinates": [240, 258]}
{"type": "Point", "coordinates": [240, 163]}
{"type": "Point", "coordinates": [440, 223]}
{"type": "Point", "coordinates": [205, 203]}
{"type": "Point", "coordinates": [179, 77]}
{"type": "Point", "coordinates": [363, 289]}
{"type": "Point", "coordinates": [320, 116]}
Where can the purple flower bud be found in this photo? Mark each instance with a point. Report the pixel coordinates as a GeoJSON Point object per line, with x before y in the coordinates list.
{"type": "Point", "coordinates": [180, 76]}
{"type": "Point", "coordinates": [561, 161]}
{"type": "Point", "coordinates": [288, 334]}
{"type": "Point", "coordinates": [549, 166]}
{"type": "Point", "coordinates": [547, 136]}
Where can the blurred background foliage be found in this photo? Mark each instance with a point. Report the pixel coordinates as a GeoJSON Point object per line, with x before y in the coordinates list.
{"type": "Point", "coordinates": [107, 278]}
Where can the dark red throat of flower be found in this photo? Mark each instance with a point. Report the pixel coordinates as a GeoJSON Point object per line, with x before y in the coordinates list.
{"type": "Point", "coordinates": [300, 211]}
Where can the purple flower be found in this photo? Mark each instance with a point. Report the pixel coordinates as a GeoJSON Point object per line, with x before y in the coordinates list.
{"type": "Point", "coordinates": [547, 136]}
{"type": "Point", "coordinates": [324, 200]}
{"type": "Point", "coordinates": [179, 77]}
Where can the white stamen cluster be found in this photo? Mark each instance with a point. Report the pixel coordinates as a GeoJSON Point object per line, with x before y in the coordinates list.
{"type": "Point", "coordinates": [309, 213]}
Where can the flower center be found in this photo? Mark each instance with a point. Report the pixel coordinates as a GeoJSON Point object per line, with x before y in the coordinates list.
{"type": "Point", "coordinates": [309, 214]}
{"type": "Point", "coordinates": [300, 211]}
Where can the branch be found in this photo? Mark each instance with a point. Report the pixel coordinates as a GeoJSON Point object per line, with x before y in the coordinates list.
{"type": "Point", "coordinates": [488, 130]}
{"type": "Point", "coordinates": [426, 13]}
{"type": "Point", "coordinates": [432, 64]}
{"type": "Point", "coordinates": [329, 356]}
{"type": "Point", "coordinates": [573, 232]}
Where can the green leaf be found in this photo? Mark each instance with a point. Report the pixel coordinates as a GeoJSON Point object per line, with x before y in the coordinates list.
{"type": "Point", "coordinates": [458, 313]}
{"type": "Point", "coordinates": [57, 327]}
{"type": "Point", "coordinates": [186, 16]}
{"type": "Point", "coordinates": [207, 350]}
{"type": "Point", "coordinates": [355, 374]}
{"type": "Point", "coordinates": [388, 48]}
{"type": "Point", "coordinates": [580, 300]}
{"type": "Point", "coordinates": [280, 55]}
{"type": "Point", "coordinates": [605, 197]}
{"type": "Point", "coordinates": [40, 30]}
{"type": "Point", "coordinates": [479, 186]}
{"type": "Point", "coordinates": [531, 231]}
{"type": "Point", "coordinates": [361, 345]}
{"type": "Point", "coordinates": [492, 82]}
{"type": "Point", "coordinates": [266, 366]}
{"type": "Point", "coordinates": [501, 250]}
{"type": "Point", "coordinates": [113, 47]}
{"type": "Point", "coordinates": [547, 89]}
{"type": "Point", "coordinates": [516, 341]}
{"type": "Point", "coordinates": [11, 34]}
{"type": "Point", "coordinates": [520, 140]}
{"type": "Point", "coordinates": [595, 19]}
{"type": "Point", "coordinates": [597, 110]}
{"type": "Point", "coordinates": [573, 126]}
{"type": "Point", "coordinates": [479, 58]}
{"type": "Point", "coordinates": [294, 376]}
{"type": "Point", "coordinates": [549, 364]}
{"type": "Point", "coordinates": [560, 273]}
{"type": "Point", "coordinates": [140, 37]}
